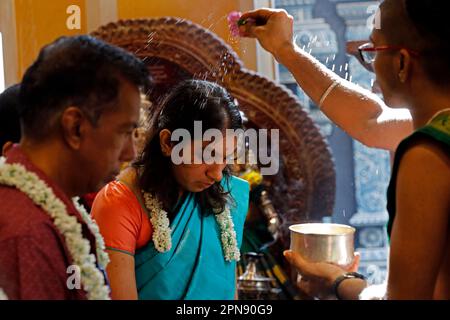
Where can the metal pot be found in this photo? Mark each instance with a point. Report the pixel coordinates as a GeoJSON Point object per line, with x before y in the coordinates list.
{"type": "Point", "coordinates": [323, 242]}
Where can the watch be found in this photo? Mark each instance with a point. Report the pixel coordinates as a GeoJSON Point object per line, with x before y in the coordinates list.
{"type": "Point", "coordinates": [345, 276]}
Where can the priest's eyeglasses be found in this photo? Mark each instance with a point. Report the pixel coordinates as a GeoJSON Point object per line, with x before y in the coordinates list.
{"type": "Point", "coordinates": [368, 51]}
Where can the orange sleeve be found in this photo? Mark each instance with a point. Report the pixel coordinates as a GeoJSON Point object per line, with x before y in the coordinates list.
{"type": "Point", "coordinates": [117, 213]}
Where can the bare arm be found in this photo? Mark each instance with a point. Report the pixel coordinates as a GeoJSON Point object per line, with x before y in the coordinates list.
{"type": "Point", "coordinates": [122, 276]}
{"type": "Point", "coordinates": [357, 111]}
{"type": "Point", "coordinates": [420, 230]}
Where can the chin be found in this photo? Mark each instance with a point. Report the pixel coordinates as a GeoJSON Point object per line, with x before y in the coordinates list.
{"type": "Point", "coordinates": [196, 189]}
{"type": "Point", "coordinates": [395, 103]}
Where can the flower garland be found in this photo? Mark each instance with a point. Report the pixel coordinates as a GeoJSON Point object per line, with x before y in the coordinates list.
{"type": "Point", "coordinates": [3, 295]}
{"type": "Point", "coordinates": [92, 279]}
{"type": "Point", "coordinates": [102, 255]}
{"type": "Point", "coordinates": [162, 234]}
{"type": "Point", "coordinates": [228, 235]}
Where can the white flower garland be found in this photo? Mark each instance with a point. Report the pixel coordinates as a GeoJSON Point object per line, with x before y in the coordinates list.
{"type": "Point", "coordinates": [162, 234]}
{"type": "Point", "coordinates": [3, 295]}
{"type": "Point", "coordinates": [92, 279]}
{"type": "Point", "coordinates": [102, 255]}
{"type": "Point", "coordinates": [228, 235]}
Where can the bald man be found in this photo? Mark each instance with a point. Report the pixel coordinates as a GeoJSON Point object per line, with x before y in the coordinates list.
{"type": "Point", "coordinates": [359, 112]}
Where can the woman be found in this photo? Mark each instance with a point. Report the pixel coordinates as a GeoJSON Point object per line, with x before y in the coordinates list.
{"type": "Point", "coordinates": [173, 231]}
{"type": "Point", "coordinates": [409, 54]}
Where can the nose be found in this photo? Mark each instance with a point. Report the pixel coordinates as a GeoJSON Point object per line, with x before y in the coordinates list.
{"type": "Point", "coordinates": [128, 151]}
{"type": "Point", "coordinates": [215, 172]}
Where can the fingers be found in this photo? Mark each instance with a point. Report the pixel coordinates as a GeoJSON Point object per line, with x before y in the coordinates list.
{"type": "Point", "coordinates": [250, 30]}
{"type": "Point", "coordinates": [261, 17]}
{"type": "Point", "coordinates": [298, 262]}
{"type": "Point", "coordinates": [260, 14]}
{"type": "Point", "coordinates": [305, 287]}
{"type": "Point", "coordinates": [355, 263]}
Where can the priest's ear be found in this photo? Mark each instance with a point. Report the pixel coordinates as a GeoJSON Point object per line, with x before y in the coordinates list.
{"type": "Point", "coordinates": [404, 65]}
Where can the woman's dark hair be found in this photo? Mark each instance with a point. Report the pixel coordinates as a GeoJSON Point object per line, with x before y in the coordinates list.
{"type": "Point", "coordinates": [189, 101]}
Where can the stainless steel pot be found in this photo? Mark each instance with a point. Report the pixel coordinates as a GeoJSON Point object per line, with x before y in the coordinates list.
{"type": "Point", "coordinates": [323, 242]}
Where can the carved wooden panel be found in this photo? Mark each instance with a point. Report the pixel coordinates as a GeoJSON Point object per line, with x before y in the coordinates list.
{"type": "Point", "coordinates": [175, 49]}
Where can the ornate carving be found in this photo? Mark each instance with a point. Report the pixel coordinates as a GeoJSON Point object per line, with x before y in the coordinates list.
{"type": "Point", "coordinates": [304, 188]}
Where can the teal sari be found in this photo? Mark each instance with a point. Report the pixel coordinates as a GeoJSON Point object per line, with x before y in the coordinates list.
{"type": "Point", "coordinates": [194, 268]}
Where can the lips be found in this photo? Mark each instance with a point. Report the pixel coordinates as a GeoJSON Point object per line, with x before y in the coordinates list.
{"type": "Point", "coordinates": [207, 185]}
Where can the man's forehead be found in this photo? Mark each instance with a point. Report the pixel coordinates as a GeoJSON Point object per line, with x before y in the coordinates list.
{"type": "Point", "coordinates": [122, 115]}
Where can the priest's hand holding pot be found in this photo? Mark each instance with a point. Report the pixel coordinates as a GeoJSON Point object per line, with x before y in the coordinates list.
{"type": "Point", "coordinates": [319, 279]}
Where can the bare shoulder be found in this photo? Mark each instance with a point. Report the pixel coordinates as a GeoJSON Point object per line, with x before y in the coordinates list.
{"type": "Point", "coordinates": [428, 155]}
{"type": "Point", "coordinates": [424, 174]}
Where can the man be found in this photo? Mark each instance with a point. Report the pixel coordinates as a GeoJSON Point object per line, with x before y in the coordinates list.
{"type": "Point", "coordinates": [9, 117]}
{"type": "Point", "coordinates": [409, 57]}
{"type": "Point", "coordinates": [360, 113]}
{"type": "Point", "coordinates": [79, 105]}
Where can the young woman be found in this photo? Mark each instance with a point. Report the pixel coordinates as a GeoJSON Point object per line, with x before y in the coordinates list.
{"type": "Point", "coordinates": [173, 231]}
{"type": "Point", "coordinates": [409, 54]}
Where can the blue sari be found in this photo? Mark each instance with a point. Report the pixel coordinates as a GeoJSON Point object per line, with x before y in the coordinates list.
{"type": "Point", "coordinates": [194, 268]}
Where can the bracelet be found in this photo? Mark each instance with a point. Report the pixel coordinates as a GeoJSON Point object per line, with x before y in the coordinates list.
{"type": "Point", "coordinates": [345, 276]}
{"type": "Point", "coordinates": [327, 92]}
